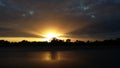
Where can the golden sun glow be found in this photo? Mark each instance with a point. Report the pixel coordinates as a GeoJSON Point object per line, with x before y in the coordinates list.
{"type": "Point", "coordinates": [51, 35]}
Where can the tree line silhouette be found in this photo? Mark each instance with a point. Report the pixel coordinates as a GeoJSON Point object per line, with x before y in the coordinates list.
{"type": "Point", "coordinates": [57, 44]}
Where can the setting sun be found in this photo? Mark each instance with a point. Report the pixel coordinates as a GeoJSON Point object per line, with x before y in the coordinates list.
{"type": "Point", "coordinates": [51, 35]}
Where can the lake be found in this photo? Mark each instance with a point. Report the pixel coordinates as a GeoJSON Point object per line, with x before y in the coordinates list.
{"type": "Point", "coordinates": [89, 58]}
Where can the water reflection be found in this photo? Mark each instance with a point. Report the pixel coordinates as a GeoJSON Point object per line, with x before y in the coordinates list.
{"type": "Point", "coordinates": [59, 59]}
{"type": "Point", "coordinates": [51, 56]}
{"type": "Point", "coordinates": [46, 56]}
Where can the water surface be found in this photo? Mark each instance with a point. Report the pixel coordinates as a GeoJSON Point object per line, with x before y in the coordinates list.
{"type": "Point", "coordinates": [108, 58]}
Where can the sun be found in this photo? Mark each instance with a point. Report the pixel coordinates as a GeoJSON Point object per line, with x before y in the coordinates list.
{"type": "Point", "coordinates": [51, 35]}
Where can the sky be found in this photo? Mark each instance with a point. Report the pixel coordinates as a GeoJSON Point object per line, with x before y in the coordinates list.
{"type": "Point", "coordinates": [80, 19]}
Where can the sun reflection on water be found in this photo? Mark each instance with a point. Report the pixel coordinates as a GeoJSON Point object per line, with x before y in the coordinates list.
{"type": "Point", "coordinates": [57, 57]}
{"type": "Point", "coordinates": [52, 56]}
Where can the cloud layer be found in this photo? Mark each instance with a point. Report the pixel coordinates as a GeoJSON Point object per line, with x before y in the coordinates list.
{"type": "Point", "coordinates": [96, 19]}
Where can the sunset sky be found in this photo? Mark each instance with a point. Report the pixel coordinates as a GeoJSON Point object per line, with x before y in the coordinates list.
{"type": "Point", "coordinates": [74, 19]}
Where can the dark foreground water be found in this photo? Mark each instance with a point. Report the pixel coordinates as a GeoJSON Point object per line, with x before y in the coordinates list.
{"type": "Point", "coordinates": [104, 58]}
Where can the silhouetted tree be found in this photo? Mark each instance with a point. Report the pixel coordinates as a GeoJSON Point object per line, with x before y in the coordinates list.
{"type": "Point", "coordinates": [54, 40]}
{"type": "Point", "coordinates": [68, 40]}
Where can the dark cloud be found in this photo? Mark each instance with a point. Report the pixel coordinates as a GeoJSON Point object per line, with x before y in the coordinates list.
{"type": "Point", "coordinates": [7, 32]}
